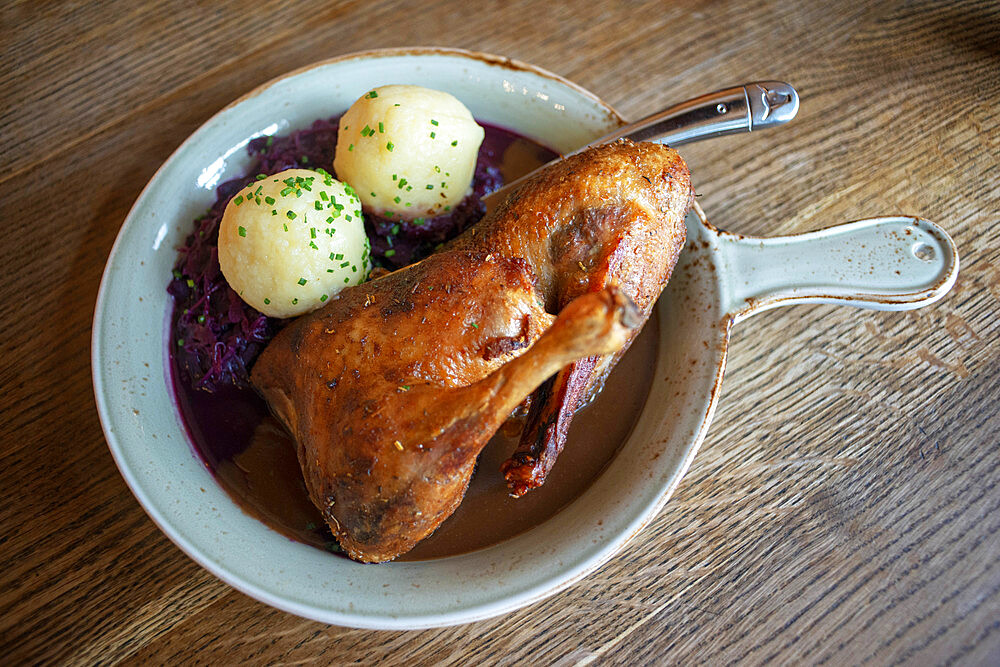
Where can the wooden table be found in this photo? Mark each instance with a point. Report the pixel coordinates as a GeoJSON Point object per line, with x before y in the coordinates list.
{"type": "Point", "coordinates": [845, 507]}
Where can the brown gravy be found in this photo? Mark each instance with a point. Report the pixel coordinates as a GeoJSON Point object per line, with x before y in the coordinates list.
{"type": "Point", "coordinates": [265, 478]}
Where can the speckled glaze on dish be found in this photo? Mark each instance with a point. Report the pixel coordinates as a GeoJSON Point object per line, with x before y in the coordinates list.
{"type": "Point", "coordinates": [715, 284]}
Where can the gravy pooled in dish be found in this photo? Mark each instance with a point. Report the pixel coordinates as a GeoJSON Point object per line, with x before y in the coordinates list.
{"type": "Point", "coordinates": [254, 460]}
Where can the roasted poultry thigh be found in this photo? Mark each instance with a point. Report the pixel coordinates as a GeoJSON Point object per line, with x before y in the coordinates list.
{"type": "Point", "coordinates": [392, 390]}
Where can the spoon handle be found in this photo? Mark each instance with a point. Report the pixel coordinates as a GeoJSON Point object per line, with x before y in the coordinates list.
{"type": "Point", "coordinates": [894, 263]}
{"type": "Point", "coordinates": [752, 106]}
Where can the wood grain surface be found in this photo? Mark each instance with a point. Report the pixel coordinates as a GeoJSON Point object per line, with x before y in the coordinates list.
{"type": "Point", "coordinates": [845, 507]}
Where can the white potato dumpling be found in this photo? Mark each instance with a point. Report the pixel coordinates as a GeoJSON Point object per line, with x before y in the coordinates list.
{"type": "Point", "coordinates": [289, 242]}
{"type": "Point", "coordinates": [408, 151]}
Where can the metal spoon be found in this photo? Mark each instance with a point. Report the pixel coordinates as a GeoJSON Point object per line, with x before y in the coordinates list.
{"type": "Point", "coordinates": [752, 106]}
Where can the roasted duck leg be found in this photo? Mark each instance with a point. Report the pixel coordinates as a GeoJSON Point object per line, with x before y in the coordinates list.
{"type": "Point", "coordinates": [386, 472]}
{"type": "Point", "coordinates": [392, 389]}
{"type": "Point", "coordinates": [613, 215]}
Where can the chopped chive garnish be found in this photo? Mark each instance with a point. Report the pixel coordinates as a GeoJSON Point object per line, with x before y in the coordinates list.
{"type": "Point", "coordinates": [372, 95]}
{"type": "Point", "coordinates": [395, 199]}
{"type": "Point", "coordinates": [322, 298]}
{"type": "Point", "coordinates": [269, 200]}
{"type": "Point", "coordinates": [390, 253]}
{"type": "Point", "coordinates": [433, 135]}
{"type": "Point", "coordinates": [343, 264]}
{"type": "Point", "coordinates": [381, 127]}
{"type": "Point", "coordinates": [318, 205]}
{"type": "Point", "coordinates": [295, 301]}
{"type": "Point", "coordinates": [323, 195]}
{"type": "Point", "coordinates": [430, 187]}
{"type": "Point", "coordinates": [286, 191]}
{"type": "Point", "coordinates": [312, 232]}
{"type": "Point", "coordinates": [267, 301]}
{"type": "Point", "coordinates": [454, 143]}
{"type": "Point", "coordinates": [389, 146]}
{"type": "Point", "coordinates": [313, 246]}
{"type": "Point", "coordinates": [261, 177]}
{"type": "Point", "coordinates": [351, 147]}
{"type": "Point", "coordinates": [434, 122]}
{"type": "Point", "coordinates": [243, 231]}
{"type": "Point", "coordinates": [238, 200]}
{"type": "Point", "coordinates": [302, 281]}
{"type": "Point", "coordinates": [290, 215]}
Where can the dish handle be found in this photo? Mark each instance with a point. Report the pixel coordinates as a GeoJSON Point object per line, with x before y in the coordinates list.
{"type": "Point", "coordinates": [893, 263]}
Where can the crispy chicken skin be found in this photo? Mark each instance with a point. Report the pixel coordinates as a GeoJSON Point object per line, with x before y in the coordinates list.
{"type": "Point", "coordinates": [395, 386]}
{"type": "Point", "coordinates": [613, 215]}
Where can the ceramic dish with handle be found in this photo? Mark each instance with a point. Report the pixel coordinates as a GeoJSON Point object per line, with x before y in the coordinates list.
{"type": "Point", "coordinates": [721, 278]}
